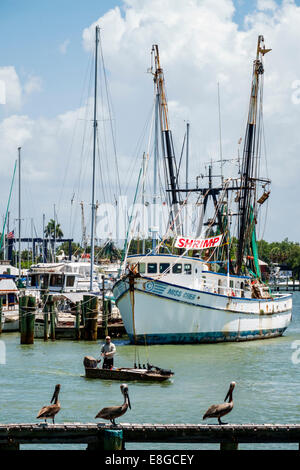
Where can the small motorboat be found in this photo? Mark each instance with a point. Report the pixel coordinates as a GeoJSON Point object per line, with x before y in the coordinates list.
{"type": "Point", "coordinates": [149, 373]}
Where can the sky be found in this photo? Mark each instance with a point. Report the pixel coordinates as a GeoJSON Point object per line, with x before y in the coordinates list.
{"type": "Point", "coordinates": [46, 65]}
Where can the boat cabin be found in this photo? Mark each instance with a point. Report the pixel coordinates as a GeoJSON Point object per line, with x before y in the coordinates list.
{"type": "Point", "coordinates": [193, 273]}
{"type": "Point", "coordinates": [8, 294]}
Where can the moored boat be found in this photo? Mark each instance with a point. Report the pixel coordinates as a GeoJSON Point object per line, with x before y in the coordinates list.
{"type": "Point", "coordinates": [213, 295]}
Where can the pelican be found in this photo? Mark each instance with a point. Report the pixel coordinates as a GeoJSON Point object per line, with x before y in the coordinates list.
{"type": "Point", "coordinates": [113, 412]}
{"type": "Point", "coordinates": [51, 410]}
{"type": "Point", "coordinates": [217, 411]}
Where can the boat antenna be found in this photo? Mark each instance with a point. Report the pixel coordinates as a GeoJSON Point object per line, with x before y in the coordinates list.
{"type": "Point", "coordinates": [220, 132]}
{"type": "Point", "coordinates": [97, 30]}
{"type": "Point", "coordinates": [187, 170]}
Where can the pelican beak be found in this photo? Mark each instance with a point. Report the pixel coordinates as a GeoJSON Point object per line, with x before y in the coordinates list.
{"type": "Point", "coordinates": [54, 396]}
{"type": "Point", "coordinates": [127, 396]}
{"type": "Point", "coordinates": [227, 396]}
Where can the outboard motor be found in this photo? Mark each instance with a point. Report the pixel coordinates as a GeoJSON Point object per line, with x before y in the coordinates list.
{"type": "Point", "coordinates": [90, 362]}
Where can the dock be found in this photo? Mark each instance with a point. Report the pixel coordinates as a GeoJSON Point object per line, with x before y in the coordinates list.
{"type": "Point", "coordinates": [115, 330]}
{"type": "Point", "coordinates": [107, 437]}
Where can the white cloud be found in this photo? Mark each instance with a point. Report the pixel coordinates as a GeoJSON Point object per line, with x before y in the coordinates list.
{"type": "Point", "coordinates": [64, 46]}
{"type": "Point", "coordinates": [33, 84]}
{"type": "Point", "coordinates": [200, 45]}
{"type": "Point", "coordinates": [266, 5]}
{"type": "Point", "coordinates": [13, 88]}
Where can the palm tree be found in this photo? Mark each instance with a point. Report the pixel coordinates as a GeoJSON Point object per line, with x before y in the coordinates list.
{"type": "Point", "coordinates": [49, 230]}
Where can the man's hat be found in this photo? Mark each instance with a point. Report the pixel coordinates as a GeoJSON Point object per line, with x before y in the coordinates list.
{"type": "Point", "coordinates": [107, 337]}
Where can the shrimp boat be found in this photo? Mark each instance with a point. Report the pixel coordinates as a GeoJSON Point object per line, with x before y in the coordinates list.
{"type": "Point", "coordinates": [209, 288]}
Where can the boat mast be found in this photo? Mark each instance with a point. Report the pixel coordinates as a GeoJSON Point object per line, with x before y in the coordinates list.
{"type": "Point", "coordinates": [249, 177]}
{"type": "Point", "coordinates": [94, 160]}
{"type": "Point", "coordinates": [187, 172]}
{"type": "Point", "coordinates": [155, 168]}
{"type": "Point", "coordinates": [19, 219]}
{"type": "Point", "coordinates": [167, 142]}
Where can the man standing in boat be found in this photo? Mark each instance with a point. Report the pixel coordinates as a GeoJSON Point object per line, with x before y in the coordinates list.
{"type": "Point", "coordinates": [108, 351]}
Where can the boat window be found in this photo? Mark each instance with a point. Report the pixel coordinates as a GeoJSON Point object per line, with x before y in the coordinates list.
{"type": "Point", "coordinates": [34, 280]}
{"type": "Point", "coordinates": [164, 267]}
{"type": "Point", "coordinates": [152, 268]}
{"type": "Point", "coordinates": [177, 268]}
{"type": "Point", "coordinates": [56, 280]}
{"type": "Point", "coordinates": [70, 281]}
{"type": "Point", "coordinates": [44, 281]}
{"type": "Point", "coordinates": [231, 284]}
{"type": "Point", "coordinates": [142, 268]}
{"type": "Point", "coordinates": [187, 269]}
{"type": "Point", "coordinates": [3, 297]}
{"type": "Point", "coordinates": [11, 299]}
{"type": "Point", "coordinates": [204, 279]}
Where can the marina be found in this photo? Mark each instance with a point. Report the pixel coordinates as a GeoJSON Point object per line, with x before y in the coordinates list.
{"type": "Point", "coordinates": [149, 284]}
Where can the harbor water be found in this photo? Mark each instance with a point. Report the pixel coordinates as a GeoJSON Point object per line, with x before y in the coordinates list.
{"type": "Point", "coordinates": [267, 374]}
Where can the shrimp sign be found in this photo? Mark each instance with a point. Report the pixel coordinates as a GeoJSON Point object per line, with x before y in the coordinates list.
{"type": "Point", "coordinates": [198, 243]}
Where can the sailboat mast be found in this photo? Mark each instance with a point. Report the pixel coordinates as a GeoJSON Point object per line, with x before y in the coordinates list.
{"type": "Point", "coordinates": [19, 161]}
{"type": "Point", "coordinates": [248, 176]}
{"type": "Point", "coordinates": [94, 160]}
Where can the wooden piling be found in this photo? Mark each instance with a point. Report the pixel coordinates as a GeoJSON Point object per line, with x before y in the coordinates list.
{"type": "Point", "coordinates": [51, 309]}
{"type": "Point", "coordinates": [229, 446]}
{"type": "Point", "coordinates": [23, 302]}
{"type": "Point", "coordinates": [91, 316]}
{"type": "Point", "coordinates": [30, 319]}
{"type": "Point", "coordinates": [45, 310]}
{"type": "Point", "coordinates": [1, 310]}
{"type": "Point", "coordinates": [27, 306]}
{"type": "Point", "coordinates": [110, 439]}
{"type": "Point", "coordinates": [77, 320]}
{"type": "Point", "coordinates": [105, 317]}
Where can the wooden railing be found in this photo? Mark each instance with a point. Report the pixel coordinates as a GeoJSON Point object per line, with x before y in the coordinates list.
{"type": "Point", "coordinates": [108, 437]}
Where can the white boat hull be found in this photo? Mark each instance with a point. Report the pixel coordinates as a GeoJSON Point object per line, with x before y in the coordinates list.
{"type": "Point", "coordinates": [11, 323]}
{"type": "Point", "coordinates": [161, 313]}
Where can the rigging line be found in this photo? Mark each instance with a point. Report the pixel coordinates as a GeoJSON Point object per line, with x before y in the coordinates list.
{"type": "Point", "coordinates": [86, 128]}
{"type": "Point", "coordinates": [74, 130]}
{"type": "Point", "coordinates": [182, 149]}
{"type": "Point", "coordinates": [110, 115]}
{"type": "Point", "coordinates": [137, 150]}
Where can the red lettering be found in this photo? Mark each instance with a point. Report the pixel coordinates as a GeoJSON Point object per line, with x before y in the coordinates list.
{"type": "Point", "coordinates": [180, 243]}
{"type": "Point", "coordinates": [188, 243]}
{"type": "Point", "coordinates": [216, 240]}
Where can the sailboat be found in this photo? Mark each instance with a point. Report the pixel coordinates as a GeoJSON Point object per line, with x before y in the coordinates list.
{"type": "Point", "coordinates": [201, 292]}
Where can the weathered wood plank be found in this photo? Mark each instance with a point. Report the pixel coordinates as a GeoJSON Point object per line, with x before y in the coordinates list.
{"type": "Point", "coordinates": [91, 433]}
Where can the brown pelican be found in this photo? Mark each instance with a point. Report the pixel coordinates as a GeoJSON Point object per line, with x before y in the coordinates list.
{"type": "Point", "coordinates": [113, 412]}
{"type": "Point", "coordinates": [51, 410]}
{"type": "Point", "coordinates": [217, 411]}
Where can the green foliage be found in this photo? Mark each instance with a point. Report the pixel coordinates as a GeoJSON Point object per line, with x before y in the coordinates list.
{"type": "Point", "coordinates": [284, 252]}
{"type": "Point", "coordinates": [51, 227]}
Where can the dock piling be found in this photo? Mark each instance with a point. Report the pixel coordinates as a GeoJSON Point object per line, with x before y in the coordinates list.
{"type": "Point", "coordinates": [27, 307]}
{"type": "Point", "coordinates": [91, 316]}
{"type": "Point", "coordinates": [51, 309]}
{"type": "Point", "coordinates": [1, 310]}
{"type": "Point", "coordinates": [77, 320]}
{"type": "Point", "coordinates": [110, 439]}
{"type": "Point", "coordinates": [45, 310]}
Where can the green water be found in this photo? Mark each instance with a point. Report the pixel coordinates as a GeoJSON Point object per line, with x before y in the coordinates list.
{"type": "Point", "coordinates": [267, 389]}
